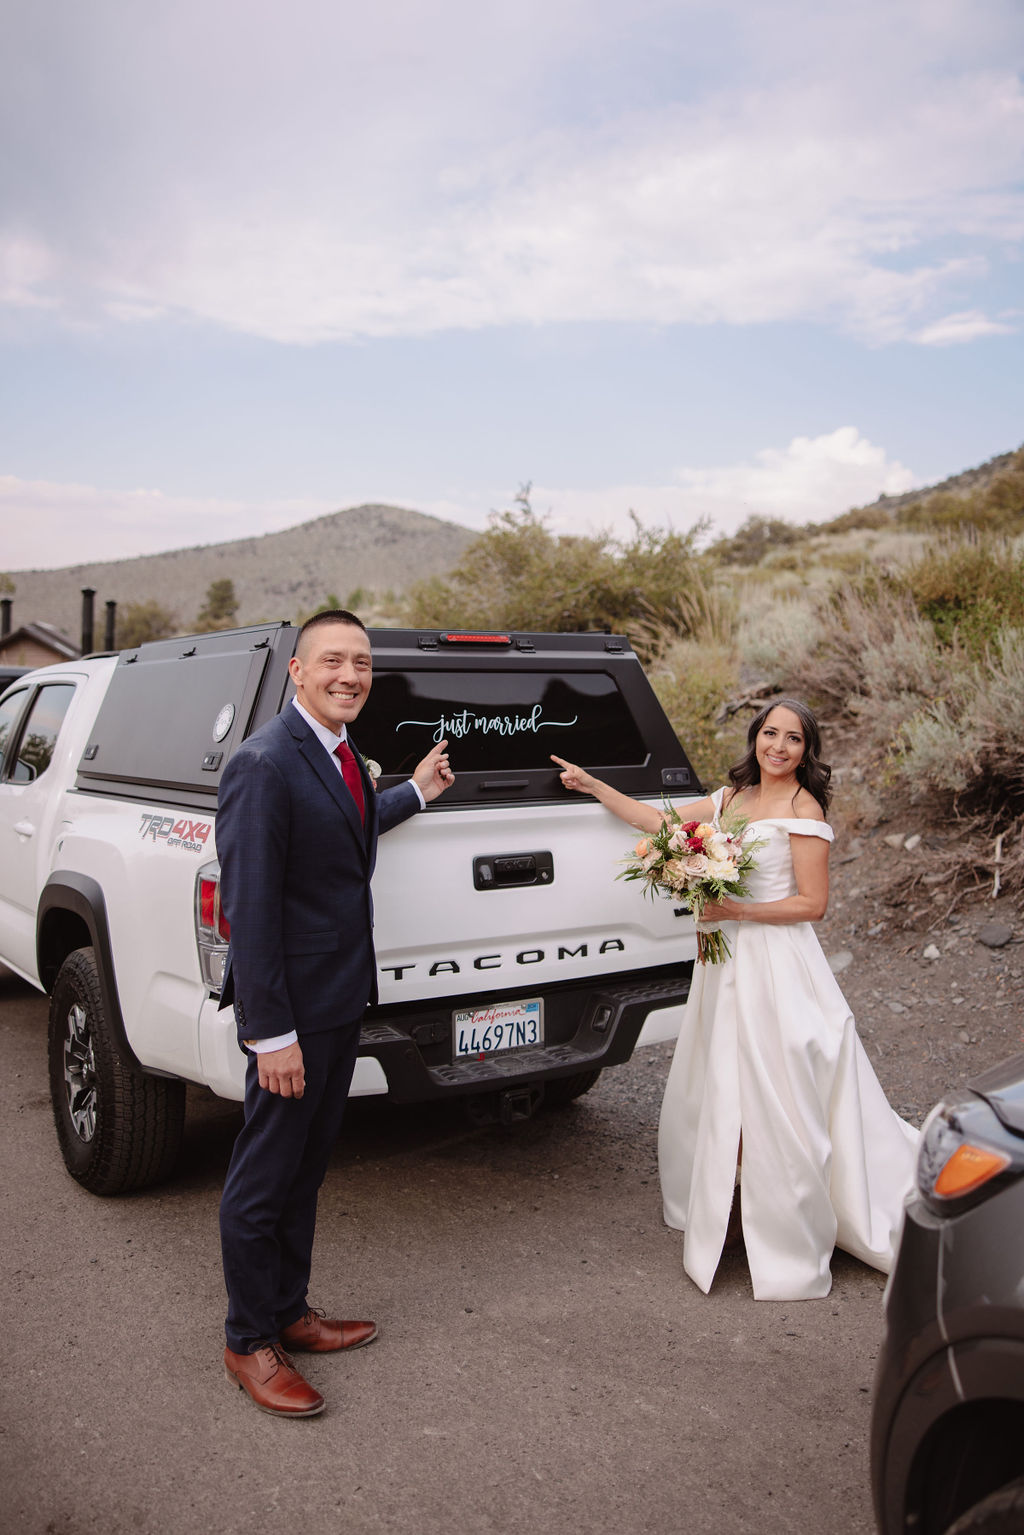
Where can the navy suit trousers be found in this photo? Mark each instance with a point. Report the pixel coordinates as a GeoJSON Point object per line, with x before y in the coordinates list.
{"type": "Point", "coordinates": [268, 1208]}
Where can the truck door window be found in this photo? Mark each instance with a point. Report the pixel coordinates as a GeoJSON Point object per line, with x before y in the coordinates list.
{"type": "Point", "coordinates": [10, 713]}
{"type": "Point", "coordinates": [39, 737]}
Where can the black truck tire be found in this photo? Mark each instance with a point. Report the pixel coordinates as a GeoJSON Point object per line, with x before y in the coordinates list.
{"type": "Point", "coordinates": [562, 1090]}
{"type": "Point", "coordinates": [1001, 1513]}
{"type": "Point", "coordinates": [118, 1129]}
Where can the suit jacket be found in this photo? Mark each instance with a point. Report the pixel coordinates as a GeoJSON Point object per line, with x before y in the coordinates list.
{"type": "Point", "coordinates": [295, 882]}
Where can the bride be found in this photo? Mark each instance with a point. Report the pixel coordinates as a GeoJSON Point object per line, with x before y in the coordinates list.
{"type": "Point", "coordinates": [768, 1069]}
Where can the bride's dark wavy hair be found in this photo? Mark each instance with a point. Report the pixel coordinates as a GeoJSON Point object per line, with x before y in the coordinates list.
{"type": "Point", "coordinates": [812, 774]}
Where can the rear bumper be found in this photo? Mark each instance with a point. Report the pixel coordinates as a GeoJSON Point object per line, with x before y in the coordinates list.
{"type": "Point", "coordinates": [587, 1026]}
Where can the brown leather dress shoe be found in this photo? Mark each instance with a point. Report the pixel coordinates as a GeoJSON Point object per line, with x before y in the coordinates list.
{"type": "Point", "coordinates": [316, 1334]}
{"type": "Point", "coordinates": [273, 1382]}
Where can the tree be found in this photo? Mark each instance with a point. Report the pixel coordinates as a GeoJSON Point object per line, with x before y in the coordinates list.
{"type": "Point", "coordinates": [759, 536]}
{"type": "Point", "coordinates": [220, 610]}
{"type": "Point", "coordinates": [138, 622]}
{"type": "Point", "coordinates": [520, 575]}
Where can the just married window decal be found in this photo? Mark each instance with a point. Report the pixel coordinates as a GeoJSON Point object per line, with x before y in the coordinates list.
{"type": "Point", "coordinates": [498, 721]}
{"type": "Point", "coordinates": [455, 727]}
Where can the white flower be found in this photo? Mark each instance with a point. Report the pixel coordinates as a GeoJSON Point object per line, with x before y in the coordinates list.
{"type": "Point", "coordinates": [373, 768]}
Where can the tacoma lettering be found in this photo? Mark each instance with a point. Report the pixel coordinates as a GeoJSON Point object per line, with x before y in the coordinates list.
{"type": "Point", "coordinates": [496, 961]}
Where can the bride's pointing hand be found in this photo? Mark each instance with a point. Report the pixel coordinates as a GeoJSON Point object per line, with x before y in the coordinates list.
{"type": "Point", "coordinates": [574, 777]}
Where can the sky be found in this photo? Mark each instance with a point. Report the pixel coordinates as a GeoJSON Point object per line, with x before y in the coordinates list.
{"type": "Point", "coordinates": [265, 259]}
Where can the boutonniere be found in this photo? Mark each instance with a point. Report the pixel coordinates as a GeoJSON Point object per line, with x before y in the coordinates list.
{"type": "Point", "coordinates": [373, 768]}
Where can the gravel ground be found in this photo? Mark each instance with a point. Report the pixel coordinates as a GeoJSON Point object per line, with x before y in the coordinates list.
{"type": "Point", "coordinates": [934, 1002]}
{"type": "Point", "coordinates": [543, 1361]}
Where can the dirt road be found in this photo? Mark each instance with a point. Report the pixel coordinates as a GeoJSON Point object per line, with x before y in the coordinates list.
{"type": "Point", "coordinates": [544, 1364]}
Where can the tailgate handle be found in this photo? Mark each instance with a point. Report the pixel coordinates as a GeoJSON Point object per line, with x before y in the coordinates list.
{"type": "Point", "coordinates": [504, 871]}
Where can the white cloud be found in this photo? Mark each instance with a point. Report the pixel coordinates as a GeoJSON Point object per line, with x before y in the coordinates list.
{"type": "Point", "coordinates": [955, 329]}
{"type": "Point", "coordinates": [811, 480]}
{"type": "Point", "coordinates": [457, 173]}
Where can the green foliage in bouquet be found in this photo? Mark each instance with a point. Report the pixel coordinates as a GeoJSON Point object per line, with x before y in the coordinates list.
{"type": "Point", "coordinates": [695, 863]}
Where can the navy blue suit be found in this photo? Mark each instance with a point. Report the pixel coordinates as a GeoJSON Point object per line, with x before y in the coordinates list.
{"type": "Point", "coordinates": [295, 883]}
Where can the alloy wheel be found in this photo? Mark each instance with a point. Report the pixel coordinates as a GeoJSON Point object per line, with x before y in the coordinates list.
{"type": "Point", "coordinates": [80, 1073]}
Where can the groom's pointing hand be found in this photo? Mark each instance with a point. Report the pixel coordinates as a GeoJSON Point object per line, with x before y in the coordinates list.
{"type": "Point", "coordinates": [433, 775]}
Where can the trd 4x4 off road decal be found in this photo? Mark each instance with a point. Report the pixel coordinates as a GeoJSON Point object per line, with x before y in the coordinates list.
{"type": "Point", "coordinates": [190, 835]}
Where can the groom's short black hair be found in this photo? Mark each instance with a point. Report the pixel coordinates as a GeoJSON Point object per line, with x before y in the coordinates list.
{"type": "Point", "coordinates": [328, 616]}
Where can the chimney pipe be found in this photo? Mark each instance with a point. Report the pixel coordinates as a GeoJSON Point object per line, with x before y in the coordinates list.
{"type": "Point", "coordinates": [88, 593]}
{"type": "Point", "coordinates": [111, 629]}
{"type": "Point", "coordinates": [5, 617]}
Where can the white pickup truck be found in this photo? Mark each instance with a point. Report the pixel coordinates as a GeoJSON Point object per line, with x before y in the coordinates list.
{"type": "Point", "coordinates": [513, 967]}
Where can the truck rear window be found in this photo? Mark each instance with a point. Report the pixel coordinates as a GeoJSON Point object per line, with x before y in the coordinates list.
{"type": "Point", "coordinates": [498, 721]}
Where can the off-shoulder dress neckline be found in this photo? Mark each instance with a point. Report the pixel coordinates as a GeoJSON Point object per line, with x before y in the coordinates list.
{"type": "Point", "coordinates": [774, 820]}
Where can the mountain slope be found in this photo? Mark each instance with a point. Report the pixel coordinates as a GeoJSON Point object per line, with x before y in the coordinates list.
{"type": "Point", "coordinates": [278, 575]}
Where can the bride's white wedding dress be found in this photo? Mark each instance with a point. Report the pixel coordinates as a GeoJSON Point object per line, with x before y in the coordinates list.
{"type": "Point", "coordinates": [768, 1048]}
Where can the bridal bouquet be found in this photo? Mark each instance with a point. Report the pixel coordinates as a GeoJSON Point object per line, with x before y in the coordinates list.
{"type": "Point", "coordinates": [695, 863]}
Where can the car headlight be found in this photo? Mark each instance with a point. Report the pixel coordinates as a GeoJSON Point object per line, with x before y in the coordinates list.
{"type": "Point", "coordinates": [963, 1148]}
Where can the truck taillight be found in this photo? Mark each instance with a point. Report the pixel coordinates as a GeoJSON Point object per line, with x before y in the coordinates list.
{"type": "Point", "coordinates": [211, 914]}
{"type": "Point", "coordinates": [212, 927]}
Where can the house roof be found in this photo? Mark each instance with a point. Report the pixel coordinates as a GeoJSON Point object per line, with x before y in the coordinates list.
{"type": "Point", "coordinates": [43, 634]}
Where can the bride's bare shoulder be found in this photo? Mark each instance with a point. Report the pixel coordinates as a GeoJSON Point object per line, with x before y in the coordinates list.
{"type": "Point", "coordinates": [806, 807]}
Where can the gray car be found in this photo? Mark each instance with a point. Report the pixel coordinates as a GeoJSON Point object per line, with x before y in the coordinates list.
{"type": "Point", "coordinates": [947, 1436]}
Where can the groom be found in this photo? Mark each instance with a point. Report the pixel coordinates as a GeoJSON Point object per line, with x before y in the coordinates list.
{"type": "Point", "coordinates": [297, 827]}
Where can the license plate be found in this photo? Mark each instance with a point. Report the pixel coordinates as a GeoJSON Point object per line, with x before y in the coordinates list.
{"type": "Point", "coordinates": [502, 1026]}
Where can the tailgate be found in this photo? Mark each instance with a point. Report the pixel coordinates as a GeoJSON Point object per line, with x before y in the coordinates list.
{"type": "Point", "coordinates": [443, 928]}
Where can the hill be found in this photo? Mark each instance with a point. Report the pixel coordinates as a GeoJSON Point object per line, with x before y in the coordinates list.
{"type": "Point", "coordinates": [365, 550]}
{"type": "Point", "coordinates": [963, 484]}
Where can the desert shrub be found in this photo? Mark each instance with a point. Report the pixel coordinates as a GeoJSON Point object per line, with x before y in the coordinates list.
{"type": "Point", "coordinates": [777, 633]}
{"type": "Point", "coordinates": [997, 507]}
{"type": "Point", "coordinates": [970, 743]}
{"type": "Point", "coordinates": [968, 586]}
{"type": "Point", "coordinates": [692, 680]}
{"type": "Point", "coordinates": [757, 538]}
{"type": "Point", "coordinates": [1004, 498]}
{"type": "Point", "coordinates": [863, 653]}
{"type": "Point", "coordinates": [705, 612]}
{"type": "Point", "coordinates": [929, 753]}
{"type": "Point", "coordinates": [520, 575]}
{"type": "Point", "coordinates": [331, 602]}
{"type": "Point", "coordinates": [847, 562]}
{"type": "Point", "coordinates": [942, 509]}
{"type": "Point", "coordinates": [139, 622]}
{"type": "Point", "coordinates": [878, 515]}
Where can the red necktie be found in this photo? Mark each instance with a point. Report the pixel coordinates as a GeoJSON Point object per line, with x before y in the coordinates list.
{"type": "Point", "coordinates": [352, 776]}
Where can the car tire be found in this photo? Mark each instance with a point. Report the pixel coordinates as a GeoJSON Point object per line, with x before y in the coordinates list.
{"type": "Point", "coordinates": [1001, 1513]}
{"type": "Point", "coordinates": [563, 1090]}
{"type": "Point", "coordinates": [117, 1128]}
